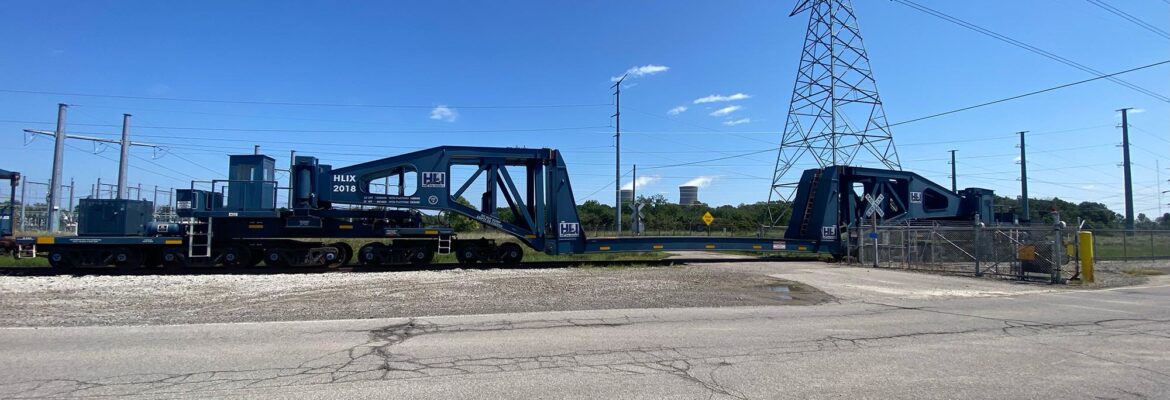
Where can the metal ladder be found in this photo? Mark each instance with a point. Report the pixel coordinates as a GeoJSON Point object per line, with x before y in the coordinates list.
{"type": "Point", "coordinates": [23, 251]}
{"type": "Point", "coordinates": [808, 206]}
{"type": "Point", "coordinates": [444, 244]}
{"type": "Point", "coordinates": [199, 239]}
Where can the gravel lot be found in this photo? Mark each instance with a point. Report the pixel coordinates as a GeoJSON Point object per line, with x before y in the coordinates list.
{"type": "Point", "coordinates": [180, 299]}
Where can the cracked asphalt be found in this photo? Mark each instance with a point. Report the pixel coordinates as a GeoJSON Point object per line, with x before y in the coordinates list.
{"type": "Point", "coordinates": [885, 334]}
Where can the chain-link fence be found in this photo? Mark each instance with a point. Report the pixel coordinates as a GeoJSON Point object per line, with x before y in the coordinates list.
{"type": "Point", "coordinates": [1043, 253]}
{"type": "Point", "coordinates": [1131, 245]}
{"type": "Point", "coordinates": [31, 211]}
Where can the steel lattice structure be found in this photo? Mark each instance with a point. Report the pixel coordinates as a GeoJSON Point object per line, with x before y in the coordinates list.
{"type": "Point", "coordinates": [835, 110]}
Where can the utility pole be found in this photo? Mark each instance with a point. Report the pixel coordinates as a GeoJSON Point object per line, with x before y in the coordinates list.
{"type": "Point", "coordinates": [634, 201]}
{"type": "Point", "coordinates": [1158, 178]}
{"type": "Point", "coordinates": [617, 140]}
{"type": "Point", "coordinates": [1027, 214]}
{"type": "Point", "coordinates": [124, 161]}
{"type": "Point", "coordinates": [1125, 166]}
{"type": "Point", "coordinates": [954, 179]}
{"type": "Point", "coordinates": [53, 197]}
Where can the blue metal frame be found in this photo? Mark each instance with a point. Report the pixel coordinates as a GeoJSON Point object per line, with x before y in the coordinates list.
{"type": "Point", "coordinates": [13, 180]}
{"type": "Point", "coordinates": [828, 201]}
{"type": "Point", "coordinates": [546, 210]}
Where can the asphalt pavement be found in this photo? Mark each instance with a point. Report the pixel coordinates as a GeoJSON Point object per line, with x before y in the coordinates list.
{"type": "Point", "coordinates": [887, 334]}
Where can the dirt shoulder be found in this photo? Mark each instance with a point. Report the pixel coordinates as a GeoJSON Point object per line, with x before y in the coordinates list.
{"type": "Point", "coordinates": [181, 299]}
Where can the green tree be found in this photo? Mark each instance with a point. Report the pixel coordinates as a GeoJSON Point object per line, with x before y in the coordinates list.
{"type": "Point", "coordinates": [461, 223]}
{"type": "Point", "coordinates": [595, 216]}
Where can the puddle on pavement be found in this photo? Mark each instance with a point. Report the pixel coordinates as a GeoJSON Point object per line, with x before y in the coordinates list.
{"type": "Point", "coordinates": [781, 290]}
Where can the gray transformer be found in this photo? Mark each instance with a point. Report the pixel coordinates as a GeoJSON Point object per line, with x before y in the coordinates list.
{"type": "Point", "coordinates": [113, 217]}
{"type": "Point", "coordinates": [252, 182]}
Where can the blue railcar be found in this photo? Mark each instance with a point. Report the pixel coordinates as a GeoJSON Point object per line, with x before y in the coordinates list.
{"type": "Point", "coordinates": [237, 221]}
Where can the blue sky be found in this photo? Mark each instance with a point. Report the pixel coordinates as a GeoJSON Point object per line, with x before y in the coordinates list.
{"type": "Point", "coordinates": [474, 57]}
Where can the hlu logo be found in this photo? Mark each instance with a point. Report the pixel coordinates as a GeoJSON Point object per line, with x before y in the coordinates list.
{"type": "Point", "coordinates": [570, 229]}
{"type": "Point", "coordinates": [434, 179]}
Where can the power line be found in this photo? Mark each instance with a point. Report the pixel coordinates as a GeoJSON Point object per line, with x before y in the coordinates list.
{"type": "Point", "coordinates": [1028, 47]}
{"type": "Point", "coordinates": [1135, 20]}
{"type": "Point", "coordinates": [132, 165]}
{"type": "Point", "coordinates": [223, 129]}
{"type": "Point", "coordinates": [300, 104]}
{"type": "Point", "coordinates": [607, 185]}
{"type": "Point", "coordinates": [713, 159]}
{"type": "Point", "coordinates": [1030, 93]}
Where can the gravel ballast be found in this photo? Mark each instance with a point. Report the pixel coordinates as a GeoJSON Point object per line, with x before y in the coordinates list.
{"type": "Point", "coordinates": [219, 298]}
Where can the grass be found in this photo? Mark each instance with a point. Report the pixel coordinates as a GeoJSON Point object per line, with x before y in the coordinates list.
{"type": "Point", "coordinates": [1141, 244]}
{"type": "Point", "coordinates": [1143, 271]}
{"type": "Point", "coordinates": [24, 262]}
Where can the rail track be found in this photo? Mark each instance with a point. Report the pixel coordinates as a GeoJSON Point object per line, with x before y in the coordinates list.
{"type": "Point", "coordinates": [48, 271]}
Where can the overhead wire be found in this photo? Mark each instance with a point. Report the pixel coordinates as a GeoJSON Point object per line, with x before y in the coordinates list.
{"type": "Point", "coordinates": [1028, 47]}
{"type": "Point", "coordinates": [1126, 16]}
{"type": "Point", "coordinates": [297, 130]}
{"type": "Point", "coordinates": [300, 104]}
{"type": "Point", "coordinates": [1035, 92]}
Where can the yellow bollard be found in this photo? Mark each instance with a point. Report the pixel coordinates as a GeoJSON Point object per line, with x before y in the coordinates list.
{"type": "Point", "coordinates": [1086, 251]}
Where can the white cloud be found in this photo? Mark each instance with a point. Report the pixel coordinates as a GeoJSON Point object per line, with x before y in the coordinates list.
{"type": "Point", "coordinates": [737, 121]}
{"type": "Point", "coordinates": [701, 181]}
{"type": "Point", "coordinates": [444, 113]}
{"type": "Point", "coordinates": [677, 110]}
{"type": "Point", "coordinates": [725, 110]}
{"type": "Point", "coordinates": [634, 72]}
{"type": "Point", "coordinates": [718, 98]}
{"type": "Point", "coordinates": [641, 181]}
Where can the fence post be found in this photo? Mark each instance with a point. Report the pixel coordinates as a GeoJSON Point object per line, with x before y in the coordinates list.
{"type": "Point", "coordinates": [1125, 247]}
{"type": "Point", "coordinates": [1057, 249]}
{"type": "Point", "coordinates": [1151, 252]}
{"type": "Point", "coordinates": [978, 245]}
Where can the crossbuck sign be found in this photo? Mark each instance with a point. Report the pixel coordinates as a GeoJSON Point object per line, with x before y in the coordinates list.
{"type": "Point", "coordinates": [875, 205]}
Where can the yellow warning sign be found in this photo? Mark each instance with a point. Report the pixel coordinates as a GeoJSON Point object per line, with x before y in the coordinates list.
{"type": "Point", "coordinates": [708, 218]}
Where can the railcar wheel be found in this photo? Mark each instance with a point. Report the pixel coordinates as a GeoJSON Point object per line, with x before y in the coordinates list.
{"type": "Point", "coordinates": [467, 255]}
{"type": "Point", "coordinates": [175, 258]}
{"type": "Point", "coordinates": [59, 259]}
{"type": "Point", "coordinates": [234, 256]}
{"type": "Point", "coordinates": [127, 258]}
{"type": "Point", "coordinates": [510, 253]}
{"type": "Point", "coordinates": [372, 253]}
{"type": "Point", "coordinates": [344, 254]}
{"type": "Point", "coordinates": [274, 258]}
{"type": "Point", "coordinates": [421, 255]}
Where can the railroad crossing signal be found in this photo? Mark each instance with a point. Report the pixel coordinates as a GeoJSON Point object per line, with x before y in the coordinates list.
{"type": "Point", "coordinates": [875, 205]}
{"type": "Point", "coordinates": [708, 218]}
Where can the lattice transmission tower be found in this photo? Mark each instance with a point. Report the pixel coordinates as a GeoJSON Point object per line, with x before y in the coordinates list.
{"type": "Point", "coordinates": [835, 111]}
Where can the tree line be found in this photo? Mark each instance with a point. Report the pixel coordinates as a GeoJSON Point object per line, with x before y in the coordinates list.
{"type": "Point", "coordinates": [660, 215]}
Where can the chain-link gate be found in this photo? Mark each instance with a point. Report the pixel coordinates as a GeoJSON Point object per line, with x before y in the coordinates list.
{"type": "Point", "coordinates": [1042, 253]}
